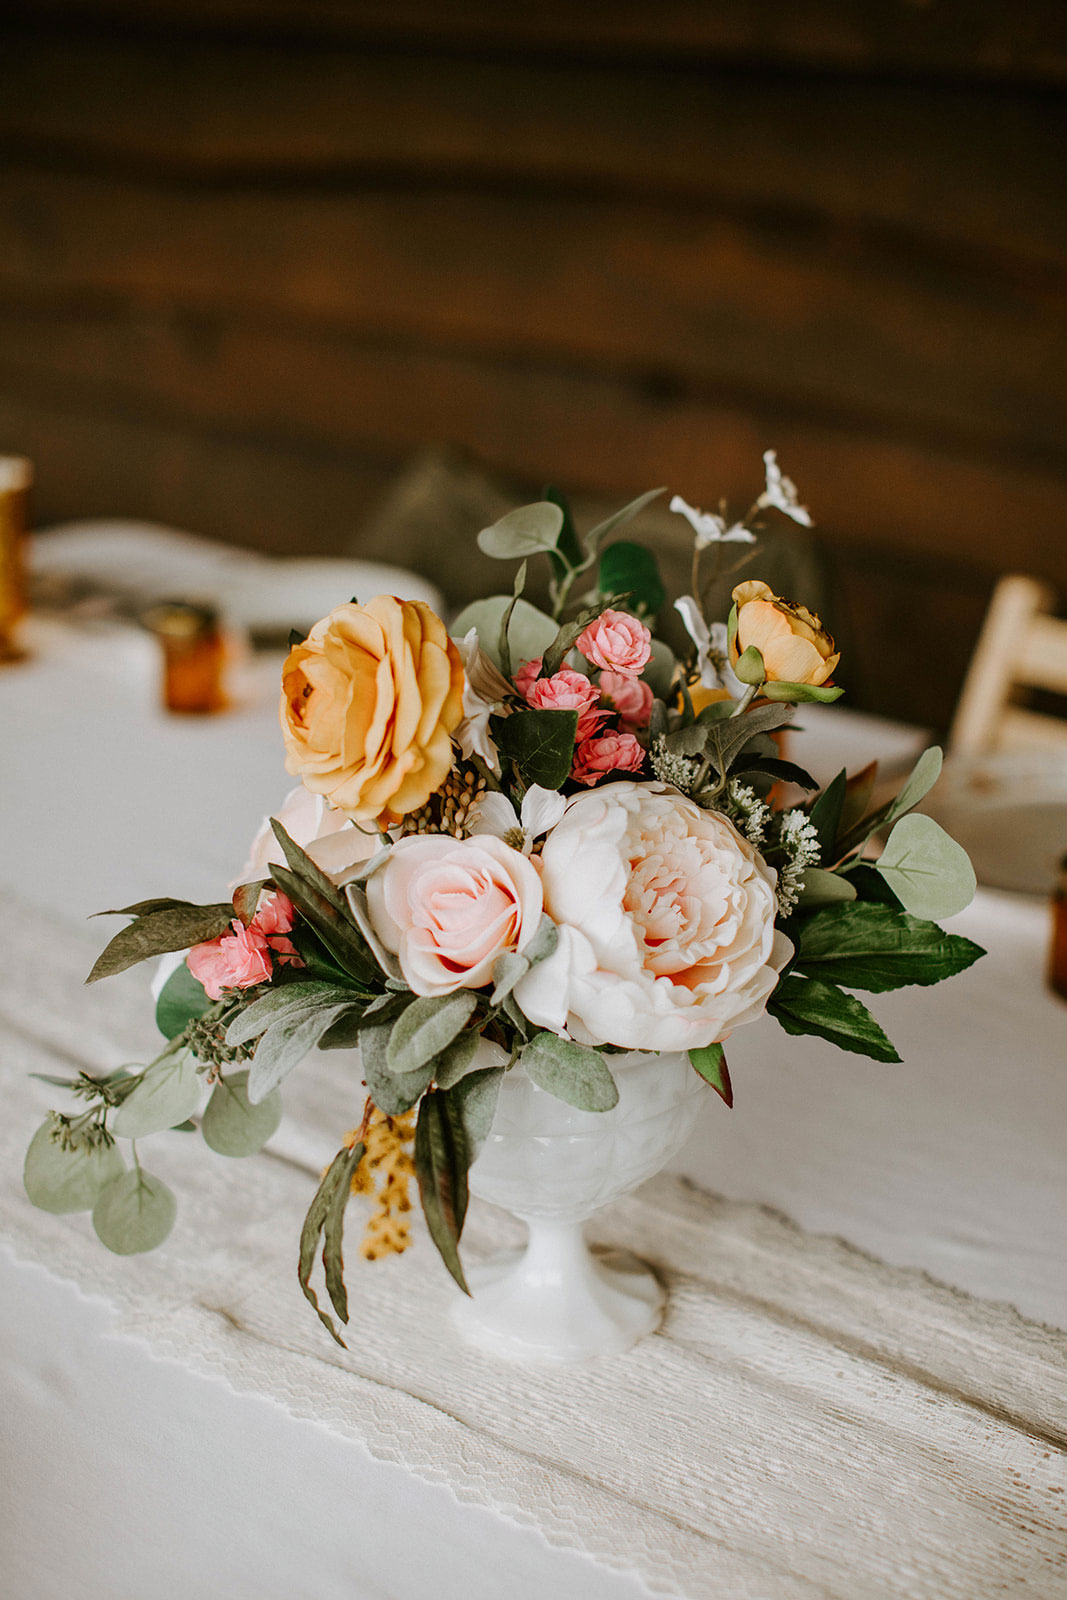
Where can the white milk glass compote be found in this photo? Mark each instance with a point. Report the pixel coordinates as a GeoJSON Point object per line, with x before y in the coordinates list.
{"type": "Point", "coordinates": [553, 1166]}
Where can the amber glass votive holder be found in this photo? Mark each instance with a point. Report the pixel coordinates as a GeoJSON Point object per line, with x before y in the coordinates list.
{"type": "Point", "coordinates": [16, 477]}
{"type": "Point", "coordinates": [194, 657]}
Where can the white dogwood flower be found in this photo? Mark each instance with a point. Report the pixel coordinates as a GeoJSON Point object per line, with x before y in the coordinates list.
{"type": "Point", "coordinates": [713, 661]}
{"type": "Point", "coordinates": [494, 813]}
{"type": "Point", "coordinates": [709, 527]}
{"type": "Point", "coordinates": [781, 492]}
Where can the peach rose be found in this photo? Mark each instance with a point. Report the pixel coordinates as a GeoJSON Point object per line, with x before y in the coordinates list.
{"type": "Point", "coordinates": [607, 752]}
{"type": "Point", "coordinates": [237, 960]}
{"type": "Point", "coordinates": [792, 641]}
{"type": "Point", "coordinates": [369, 703]}
{"type": "Point", "coordinates": [617, 642]}
{"type": "Point", "coordinates": [630, 697]}
{"type": "Point", "coordinates": [447, 908]}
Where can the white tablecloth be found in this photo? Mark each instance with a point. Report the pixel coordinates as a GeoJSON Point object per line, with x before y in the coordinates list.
{"type": "Point", "coordinates": [952, 1162]}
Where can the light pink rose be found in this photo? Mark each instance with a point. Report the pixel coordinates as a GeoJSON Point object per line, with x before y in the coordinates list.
{"type": "Point", "coordinates": [606, 752]}
{"type": "Point", "coordinates": [631, 697]}
{"type": "Point", "coordinates": [568, 691]}
{"type": "Point", "coordinates": [666, 923]}
{"type": "Point", "coordinates": [237, 960]}
{"type": "Point", "coordinates": [447, 908]}
{"type": "Point", "coordinates": [617, 642]}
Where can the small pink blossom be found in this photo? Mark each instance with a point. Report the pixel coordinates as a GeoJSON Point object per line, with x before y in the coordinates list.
{"type": "Point", "coordinates": [237, 960]}
{"type": "Point", "coordinates": [274, 919]}
{"type": "Point", "coordinates": [526, 675]}
{"type": "Point", "coordinates": [567, 691]}
{"type": "Point", "coordinates": [631, 697]}
{"type": "Point", "coordinates": [608, 752]}
{"type": "Point", "coordinates": [617, 642]}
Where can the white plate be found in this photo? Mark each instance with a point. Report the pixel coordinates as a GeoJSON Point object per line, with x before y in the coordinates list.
{"type": "Point", "coordinates": [1009, 812]}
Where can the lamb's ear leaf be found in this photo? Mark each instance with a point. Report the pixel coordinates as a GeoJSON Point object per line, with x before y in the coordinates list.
{"type": "Point", "coordinates": [570, 1071]}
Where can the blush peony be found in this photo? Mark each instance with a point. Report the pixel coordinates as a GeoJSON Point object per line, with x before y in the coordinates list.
{"type": "Point", "coordinates": [447, 908]}
{"type": "Point", "coordinates": [369, 702]}
{"type": "Point", "coordinates": [666, 921]}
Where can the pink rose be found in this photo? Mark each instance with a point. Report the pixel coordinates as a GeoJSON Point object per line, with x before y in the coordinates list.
{"type": "Point", "coordinates": [447, 908]}
{"type": "Point", "coordinates": [568, 691]}
{"type": "Point", "coordinates": [631, 697]}
{"type": "Point", "coordinates": [526, 674]}
{"type": "Point", "coordinates": [274, 919]}
{"type": "Point", "coordinates": [608, 752]}
{"type": "Point", "coordinates": [237, 960]}
{"type": "Point", "coordinates": [617, 642]}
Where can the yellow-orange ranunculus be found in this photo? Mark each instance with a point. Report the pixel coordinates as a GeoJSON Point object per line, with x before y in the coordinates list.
{"type": "Point", "coordinates": [369, 704]}
{"type": "Point", "coordinates": [792, 641]}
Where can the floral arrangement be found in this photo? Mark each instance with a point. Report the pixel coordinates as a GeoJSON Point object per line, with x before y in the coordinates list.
{"type": "Point", "coordinates": [527, 846]}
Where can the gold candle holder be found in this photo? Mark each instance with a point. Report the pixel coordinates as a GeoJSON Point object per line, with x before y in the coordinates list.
{"type": "Point", "coordinates": [16, 477]}
{"type": "Point", "coordinates": [194, 657]}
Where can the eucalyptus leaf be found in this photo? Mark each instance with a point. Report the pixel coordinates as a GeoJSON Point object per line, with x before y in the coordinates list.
{"type": "Point", "coordinates": [660, 670]}
{"type": "Point", "coordinates": [710, 1062]}
{"type": "Point", "coordinates": [539, 743]}
{"type": "Point", "coordinates": [442, 1156]}
{"type": "Point", "coordinates": [169, 1091]}
{"type": "Point", "coordinates": [821, 888]}
{"type": "Point", "coordinates": [874, 947]}
{"type": "Point", "coordinates": [530, 631]}
{"type": "Point", "coordinates": [508, 968]}
{"type": "Point", "coordinates": [232, 1125]}
{"type": "Point", "coordinates": [59, 1180]}
{"type": "Point", "coordinates": [930, 874]}
{"type": "Point", "coordinates": [924, 775]}
{"type": "Point", "coordinates": [523, 532]}
{"type": "Point", "coordinates": [181, 999]}
{"type": "Point", "coordinates": [158, 932]}
{"type": "Point", "coordinates": [134, 1213]}
{"type": "Point", "coordinates": [343, 1033]}
{"type": "Point", "coordinates": [810, 1005]}
{"type": "Point", "coordinates": [425, 1028]}
{"type": "Point", "coordinates": [571, 1072]}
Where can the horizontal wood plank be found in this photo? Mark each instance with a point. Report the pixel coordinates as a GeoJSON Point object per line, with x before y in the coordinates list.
{"type": "Point", "coordinates": [827, 321]}
{"type": "Point", "coordinates": [957, 37]}
{"type": "Point", "coordinates": [216, 109]}
{"type": "Point", "coordinates": [332, 393]}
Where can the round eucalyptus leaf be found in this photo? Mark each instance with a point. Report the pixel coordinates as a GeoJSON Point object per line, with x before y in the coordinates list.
{"type": "Point", "coordinates": [530, 631]}
{"type": "Point", "coordinates": [168, 1093]}
{"type": "Point", "coordinates": [59, 1180]}
{"type": "Point", "coordinates": [232, 1125]}
{"type": "Point", "coordinates": [181, 998]}
{"type": "Point", "coordinates": [523, 532]}
{"type": "Point", "coordinates": [134, 1213]}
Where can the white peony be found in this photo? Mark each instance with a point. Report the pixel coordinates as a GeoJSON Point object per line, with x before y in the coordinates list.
{"type": "Point", "coordinates": [666, 923]}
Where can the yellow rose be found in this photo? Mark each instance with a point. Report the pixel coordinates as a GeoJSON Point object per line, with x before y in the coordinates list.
{"type": "Point", "coordinates": [369, 703]}
{"type": "Point", "coordinates": [792, 641]}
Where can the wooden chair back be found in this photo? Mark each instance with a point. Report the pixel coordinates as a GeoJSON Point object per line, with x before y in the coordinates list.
{"type": "Point", "coordinates": [1021, 646]}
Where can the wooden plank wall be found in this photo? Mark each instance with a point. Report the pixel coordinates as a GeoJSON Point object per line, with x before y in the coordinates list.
{"type": "Point", "coordinates": [257, 253]}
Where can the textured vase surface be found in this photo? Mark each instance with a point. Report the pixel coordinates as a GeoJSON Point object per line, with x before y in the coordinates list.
{"type": "Point", "coordinates": [553, 1166]}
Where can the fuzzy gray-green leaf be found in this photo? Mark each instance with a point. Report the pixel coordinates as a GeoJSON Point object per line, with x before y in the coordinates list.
{"type": "Point", "coordinates": [425, 1028]}
{"type": "Point", "coordinates": [571, 1072]}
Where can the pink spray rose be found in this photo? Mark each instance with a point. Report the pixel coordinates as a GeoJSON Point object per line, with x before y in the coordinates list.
{"type": "Point", "coordinates": [631, 697]}
{"type": "Point", "coordinates": [527, 674]}
{"type": "Point", "coordinates": [274, 919]}
{"type": "Point", "coordinates": [447, 908]}
{"type": "Point", "coordinates": [237, 960]}
{"type": "Point", "coordinates": [617, 642]}
{"type": "Point", "coordinates": [604, 753]}
{"type": "Point", "coordinates": [568, 691]}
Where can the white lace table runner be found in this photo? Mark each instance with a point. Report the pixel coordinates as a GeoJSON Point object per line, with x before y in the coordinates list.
{"type": "Point", "coordinates": [808, 1422]}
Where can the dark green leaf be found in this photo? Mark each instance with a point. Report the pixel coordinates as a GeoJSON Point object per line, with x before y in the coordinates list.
{"type": "Point", "coordinates": [725, 740]}
{"type": "Point", "coordinates": [342, 940]}
{"type": "Point", "coordinates": [181, 999]}
{"type": "Point", "coordinates": [246, 898]}
{"type": "Point", "coordinates": [870, 885]}
{"type": "Point", "coordinates": [873, 947]}
{"type": "Point", "coordinates": [773, 767]}
{"type": "Point", "coordinates": [441, 1161]}
{"type": "Point", "coordinates": [571, 1072]}
{"type": "Point", "coordinates": [156, 933]}
{"type": "Point", "coordinates": [539, 743]}
{"type": "Point", "coordinates": [343, 1034]}
{"type": "Point", "coordinates": [232, 1125]}
{"type": "Point", "coordinates": [568, 636]}
{"type": "Point", "coordinates": [809, 1005]}
{"type": "Point", "coordinates": [425, 1028]}
{"type": "Point", "coordinates": [628, 568]}
{"type": "Point", "coordinates": [504, 646]}
{"type": "Point", "coordinates": [333, 1239]}
{"type": "Point", "coordinates": [335, 1184]}
{"type": "Point", "coordinates": [826, 816]}
{"type": "Point", "coordinates": [567, 545]}
{"type": "Point", "coordinates": [710, 1062]}
{"type": "Point", "coordinates": [59, 1180]}
{"type": "Point", "coordinates": [134, 1213]}
{"type": "Point", "coordinates": [924, 775]}
{"type": "Point", "coordinates": [302, 865]}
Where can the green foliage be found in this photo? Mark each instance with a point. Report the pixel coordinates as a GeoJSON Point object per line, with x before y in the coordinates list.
{"type": "Point", "coordinates": [504, 645]}
{"type": "Point", "coordinates": [924, 775]}
{"type": "Point", "coordinates": [596, 536]}
{"type": "Point", "coordinates": [168, 1093]}
{"type": "Point", "coordinates": [442, 1157]}
{"type": "Point", "coordinates": [59, 1180]}
{"type": "Point", "coordinates": [710, 1062]}
{"type": "Point", "coordinates": [181, 999]}
{"type": "Point", "coordinates": [523, 532]}
{"type": "Point", "coordinates": [530, 631]}
{"type": "Point", "coordinates": [512, 966]}
{"type": "Point", "coordinates": [539, 743]}
{"type": "Point", "coordinates": [456, 1060]}
{"type": "Point", "coordinates": [632, 569]}
{"type": "Point", "coordinates": [328, 1206]}
{"type": "Point", "coordinates": [391, 1092]}
{"type": "Point", "coordinates": [164, 926]}
{"type": "Point", "coordinates": [749, 668]}
{"type": "Point", "coordinates": [821, 888]}
{"type": "Point", "coordinates": [825, 816]}
{"type": "Point", "coordinates": [328, 917]}
{"type": "Point", "coordinates": [798, 693]}
{"type": "Point", "coordinates": [134, 1213]}
{"type": "Point", "coordinates": [288, 1041]}
{"type": "Point", "coordinates": [425, 1028]}
{"type": "Point", "coordinates": [475, 1097]}
{"type": "Point", "coordinates": [930, 874]}
{"type": "Point", "coordinates": [810, 1005]}
{"type": "Point", "coordinates": [571, 1072]}
{"type": "Point", "coordinates": [568, 551]}
{"type": "Point", "coordinates": [874, 947]}
{"type": "Point", "coordinates": [232, 1125]}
